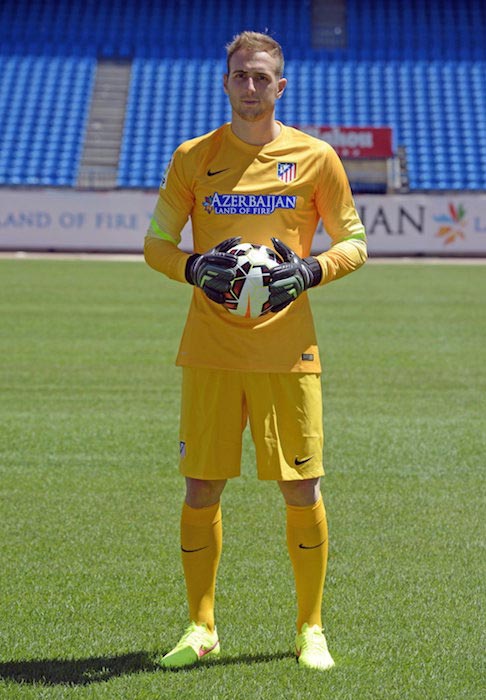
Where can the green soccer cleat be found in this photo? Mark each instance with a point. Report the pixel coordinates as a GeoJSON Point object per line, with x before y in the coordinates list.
{"type": "Point", "coordinates": [311, 648]}
{"type": "Point", "coordinates": [196, 644]}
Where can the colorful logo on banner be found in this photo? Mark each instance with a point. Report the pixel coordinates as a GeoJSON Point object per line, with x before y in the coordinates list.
{"type": "Point", "coordinates": [453, 224]}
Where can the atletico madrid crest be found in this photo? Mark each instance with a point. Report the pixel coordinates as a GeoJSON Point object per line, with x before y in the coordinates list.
{"type": "Point", "coordinates": [286, 171]}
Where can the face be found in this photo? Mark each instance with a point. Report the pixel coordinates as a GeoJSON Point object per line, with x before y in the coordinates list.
{"type": "Point", "coordinates": [252, 85]}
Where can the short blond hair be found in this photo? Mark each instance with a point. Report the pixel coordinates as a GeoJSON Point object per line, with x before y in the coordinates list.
{"type": "Point", "coordinates": [255, 41]}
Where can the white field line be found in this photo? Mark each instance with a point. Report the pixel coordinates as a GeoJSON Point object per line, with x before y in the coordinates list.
{"type": "Point", "coordinates": [138, 257]}
{"type": "Point", "coordinates": [29, 255]}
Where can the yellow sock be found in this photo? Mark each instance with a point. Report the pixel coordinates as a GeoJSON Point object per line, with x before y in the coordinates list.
{"type": "Point", "coordinates": [201, 544]}
{"type": "Point", "coordinates": [308, 546]}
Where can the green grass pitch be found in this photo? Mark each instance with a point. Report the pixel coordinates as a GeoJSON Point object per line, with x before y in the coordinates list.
{"type": "Point", "coordinates": [90, 579]}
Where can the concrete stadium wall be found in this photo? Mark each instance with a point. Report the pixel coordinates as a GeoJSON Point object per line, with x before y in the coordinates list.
{"type": "Point", "coordinates": [69, 220]}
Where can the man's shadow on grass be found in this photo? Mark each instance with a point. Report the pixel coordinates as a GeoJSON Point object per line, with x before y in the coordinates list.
{"type": "Point", "coordinates": [102, 668]}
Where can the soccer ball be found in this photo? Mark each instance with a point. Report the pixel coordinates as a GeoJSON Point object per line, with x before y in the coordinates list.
{"type": "Point", "coordinates": [248, 294]}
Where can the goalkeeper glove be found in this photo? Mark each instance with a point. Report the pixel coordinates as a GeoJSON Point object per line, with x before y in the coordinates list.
{"type": "Point", "coordinates": [291, 277]}
{"type": "Point", "coordinates": [213, 271]}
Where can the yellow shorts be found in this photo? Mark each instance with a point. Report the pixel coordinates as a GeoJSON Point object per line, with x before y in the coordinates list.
{"type": "Point", "coordinates": [285, 416]}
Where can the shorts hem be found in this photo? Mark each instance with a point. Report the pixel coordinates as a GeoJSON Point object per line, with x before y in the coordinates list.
{"type": "Point", "coordinates": [293, 477]}
{"type": "Point", "coordinates": [208, 477]}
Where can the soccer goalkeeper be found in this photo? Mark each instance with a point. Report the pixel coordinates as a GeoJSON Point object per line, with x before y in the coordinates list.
{"type": "Point", "coordinates": [260, 181]}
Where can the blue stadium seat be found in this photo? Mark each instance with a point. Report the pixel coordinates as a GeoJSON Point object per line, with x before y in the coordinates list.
{"type": "Point", "coordinates": [417, 67]}
{"type": "Point", "coordinates": [42, 115]}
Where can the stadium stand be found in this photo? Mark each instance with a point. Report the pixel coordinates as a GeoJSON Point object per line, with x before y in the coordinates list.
{"type": "Point", "coordinates": [43, 106]}
{"type": "Point", "coordinates": [417, 67]}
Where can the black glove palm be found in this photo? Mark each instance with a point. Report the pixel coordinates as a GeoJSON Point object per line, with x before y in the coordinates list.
{"type": "Point", "coordinates": [292, 277]}
{"type": "Point", "coordinates": [213, 271]}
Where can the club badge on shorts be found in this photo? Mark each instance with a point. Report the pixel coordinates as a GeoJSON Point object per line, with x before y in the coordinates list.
{"type": "Point", "coordinates": [286, 171]}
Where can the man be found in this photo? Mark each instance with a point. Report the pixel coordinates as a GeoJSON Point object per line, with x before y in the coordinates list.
{"type": "Point", "coordinates": [263, 370]}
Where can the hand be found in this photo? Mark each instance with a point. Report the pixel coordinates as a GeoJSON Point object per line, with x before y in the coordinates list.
{"type": "Point", "coordinates": [213, 271]}
{"type": "Point", "coordinates": [292, 277]}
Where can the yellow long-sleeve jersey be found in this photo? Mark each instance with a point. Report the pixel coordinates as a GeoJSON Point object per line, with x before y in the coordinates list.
{"type": "Point", "coordinates": [231, 188]}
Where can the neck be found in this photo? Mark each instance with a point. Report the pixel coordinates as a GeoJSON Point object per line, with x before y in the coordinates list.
{"type": "Point", "coordinates": [255, 133]}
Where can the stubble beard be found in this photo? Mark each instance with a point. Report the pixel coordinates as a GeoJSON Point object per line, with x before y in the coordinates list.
{"type": "Point", "coordinates": [253, 113]}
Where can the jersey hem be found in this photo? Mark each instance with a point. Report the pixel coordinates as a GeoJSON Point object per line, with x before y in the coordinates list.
{"type": "Point", "coordinates": [279, 370]}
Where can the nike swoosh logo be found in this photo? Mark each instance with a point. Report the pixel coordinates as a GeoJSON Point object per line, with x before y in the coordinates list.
{"type": "Point", "coordinates": [207, 650]}
{"type": "Point", "coordinates": [189, 551]}
{"type": "Point", "coordinates": [298, 461]}
{"type": "Point", "coordinates": [314, 546]}
{"type": "Point", "coordinates": [216, 172]}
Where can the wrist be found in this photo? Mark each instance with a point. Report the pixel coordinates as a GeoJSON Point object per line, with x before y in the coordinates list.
{"type": "Point", "coordinates": [189, 267]}
{"type": "Point", "coordinates": [315, 270]}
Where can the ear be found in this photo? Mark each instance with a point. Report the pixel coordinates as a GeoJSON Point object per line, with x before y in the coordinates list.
{"type": "Point", "coordinates": [225, 83]}
{"type": "Point", "coordinates": [281, 85]}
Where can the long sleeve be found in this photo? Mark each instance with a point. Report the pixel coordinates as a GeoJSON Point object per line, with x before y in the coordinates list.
{"type": "Point", "coordinates": [164, 256]}
{"type": "Point", "coordinates": [173, 207]}
{"type": "Point", "coordinates": [336, 206]}
{"type": "Point", "coordinates": [342, 258]}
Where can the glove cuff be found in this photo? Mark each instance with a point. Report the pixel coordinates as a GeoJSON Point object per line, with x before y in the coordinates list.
{"type": "Point", "coordinates": [315, 270]}
{"type": "Point", "coordinates": [189, 267]}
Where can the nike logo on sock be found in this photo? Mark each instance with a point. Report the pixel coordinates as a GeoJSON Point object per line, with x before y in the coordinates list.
{"type": "Point", "coordinates": [189, 551]}
{"type": "Point", "coordinates": [313, 546]}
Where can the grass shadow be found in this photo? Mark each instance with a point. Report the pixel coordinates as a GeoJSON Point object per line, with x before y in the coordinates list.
{"type": "Point", "coordinates": [102, 668]}
{"type": "Point", "coordinates": [240, 659]}
{"type": "Point", "coordinates": [76, 671]}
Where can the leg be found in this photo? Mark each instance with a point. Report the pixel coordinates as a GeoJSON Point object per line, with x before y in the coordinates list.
{"type": "Point", "coordinates": [301, 493]}
{"type": "Point", "coordinates": [286, 421]}
{"type": "Point", "coordinates": [307, 543]}
{"type": "Point", "coordinates": [212, 421]}
{"type": "Point", "coordinates": [210, 435]}
{"type": "Point", "coordinates": [201, 544]}
{"type": "Point", "coordinates": [201, 493]}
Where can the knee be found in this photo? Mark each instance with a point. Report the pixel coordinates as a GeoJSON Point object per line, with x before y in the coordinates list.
{"type": "Point", "coordinates": [305, 492]}
{"type": "Point", "coordinates": [201, 493]}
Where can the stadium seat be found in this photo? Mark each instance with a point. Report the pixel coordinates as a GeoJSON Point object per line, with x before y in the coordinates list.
{"type": "Point", "coordinates": [417, 67]}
